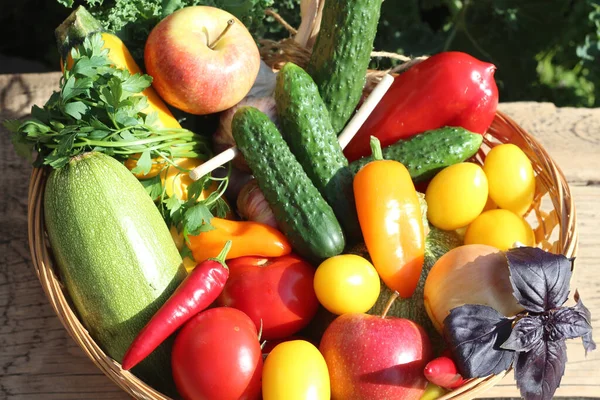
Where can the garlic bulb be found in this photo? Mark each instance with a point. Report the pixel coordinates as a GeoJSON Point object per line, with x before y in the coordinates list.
{"type": "Point", "coordinates": [223, 139]}
{"type": "Point", "coordinates": [253, 206]}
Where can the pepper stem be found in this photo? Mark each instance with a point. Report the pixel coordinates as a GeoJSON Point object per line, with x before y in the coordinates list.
{"type": "Point", "coordinates": [376, 148]}
{"type": "Point", "coordinates": [393, 297]}
{"type": "Point", "coordinates": [223, 253]}
{"type": "Point", "coordinates": [229, 25]}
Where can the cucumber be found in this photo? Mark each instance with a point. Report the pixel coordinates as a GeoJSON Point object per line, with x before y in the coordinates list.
{"type": "Point", "coordinates": [341, 55]}
{"type": "Point", "coordinates": [114, 254]}
{"type": "Point", "coordinates": [301, 212]}
{"type": "Point", "coordinates": [427, 153]}
{"type": "Point", "coordinates": [437, 244]}
{"type": "Point", "coordinates": [306, 127]}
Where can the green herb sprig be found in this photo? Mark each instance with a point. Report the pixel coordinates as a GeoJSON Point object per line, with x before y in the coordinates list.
{"type": "Point", "coordinates": [99, 108]}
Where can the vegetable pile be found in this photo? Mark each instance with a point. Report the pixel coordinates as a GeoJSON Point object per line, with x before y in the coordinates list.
{"type": "Point", "coordinates": [330, 266]}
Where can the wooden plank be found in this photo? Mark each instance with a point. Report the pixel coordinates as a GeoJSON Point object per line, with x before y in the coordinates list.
{"type": "Point", "coordinates": [39, 360]}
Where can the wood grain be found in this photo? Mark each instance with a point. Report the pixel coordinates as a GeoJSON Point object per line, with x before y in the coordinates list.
{"type": "Point", "coordinates": [39, 360]}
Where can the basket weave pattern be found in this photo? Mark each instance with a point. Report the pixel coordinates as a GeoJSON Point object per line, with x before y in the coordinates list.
{"type": "Point", "coordinates": [552, 211]}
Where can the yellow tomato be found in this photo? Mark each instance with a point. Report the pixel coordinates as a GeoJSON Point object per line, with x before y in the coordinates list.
{"type": "Point", "coordinates": [510, 178]}
{"type": "Point", "coordinates": [295, 370]}
{"type": "Point", "coordinates": [157, 165]}
{"type": "Point", "coordinates": [176, 181]}
{"type": "Point", "coordinates": [456, 196]}
{"type": "Point", "coordinates": [347, 284]}
{"type": "Point", "coordinates": [501, 229]}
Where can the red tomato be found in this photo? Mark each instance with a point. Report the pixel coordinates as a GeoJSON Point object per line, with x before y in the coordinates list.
{"type": "Point", "coordinates": [277, 291]}
{"type": "Point", "coordinates": [216, 355]}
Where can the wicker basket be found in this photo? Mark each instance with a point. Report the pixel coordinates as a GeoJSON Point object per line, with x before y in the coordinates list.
{"type": "Point", "coordinates": [552, 213]}
{"type": "Point", "coordinates": [553, 209]}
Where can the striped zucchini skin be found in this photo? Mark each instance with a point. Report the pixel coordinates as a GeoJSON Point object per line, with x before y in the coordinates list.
{"type": "Point", "coordinates": [301, 212]}
{"type": "Point", "coordinates": [114, 253]}
{"type": "Point", "coordinates": [341, 55]}
{"type": "Point", "coordinates": [306, 127]}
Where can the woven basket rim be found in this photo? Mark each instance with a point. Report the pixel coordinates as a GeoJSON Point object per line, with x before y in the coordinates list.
{"type": "Point", "coordinates": [548, 172]}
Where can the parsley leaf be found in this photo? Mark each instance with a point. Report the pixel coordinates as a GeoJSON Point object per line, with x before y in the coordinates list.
{"type": "Point", "coordinates": [99, 107]}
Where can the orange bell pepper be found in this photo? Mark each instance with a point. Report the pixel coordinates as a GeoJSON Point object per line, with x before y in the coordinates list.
{"type": "Point", "coordinates": [248, 238]}
{"type": "Point", "coordinates": [390, 220]}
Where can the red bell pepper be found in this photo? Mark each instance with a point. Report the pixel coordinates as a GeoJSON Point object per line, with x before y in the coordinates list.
{"type": "Point", "coordinates": [447, 89]}
{"type": "Point", "coordinates": [198, 291]}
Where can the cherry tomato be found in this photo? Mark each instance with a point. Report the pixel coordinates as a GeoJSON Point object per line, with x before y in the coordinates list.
{"type": "Point", "coordinates": [501, 229]}
{"type": "Point", "coordinates": [277, 291]}
{"type": "Point", "coordinates": [510, 178]}
{"type": "Point", "coordinates": [295, 370]}
{"type": "Point", "coordinates": [456, 196]}
{"type": "Point", "coordinates": [347, 284]}
{"type": "Point", "coordinates": [216, 355]}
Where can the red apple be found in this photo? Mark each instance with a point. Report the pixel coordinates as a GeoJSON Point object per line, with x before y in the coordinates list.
{"type": "Point", "coordinates": [195, 70]}
{"type": "Point", "coordinates": [277, 292]}
{"type": "Point", "coordinates": [370, 357]}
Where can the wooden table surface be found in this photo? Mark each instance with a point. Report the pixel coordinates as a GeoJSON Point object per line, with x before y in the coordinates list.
{"type": "Point", "coordinates": [38, 359]}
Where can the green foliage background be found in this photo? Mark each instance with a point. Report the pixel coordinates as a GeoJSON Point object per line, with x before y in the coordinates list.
{"type": "Point", "coordinates": [545, 50]}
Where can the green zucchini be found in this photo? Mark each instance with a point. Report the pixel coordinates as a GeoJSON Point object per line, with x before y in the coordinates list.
{"type": "Point", "coordinates": [301, 212]}
{"type": "Point", "coordinates": [342, 53]}
{"type": "Point", "coordinates": [306, 127]}
{"type": "Point", "coordinates": [437, 244]}
{"type": "Point", "coordinates": [114, 253]}
{"type": "Point", "coordinates": [427, 153]}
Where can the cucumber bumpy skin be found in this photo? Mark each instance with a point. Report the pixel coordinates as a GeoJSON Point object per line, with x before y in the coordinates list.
{"type": "Point", "coordinates": [115, 255]}
{"type": "Point", "coordinates": [301, 212]}
{"type": "Point", "coordinates": [342, 53]}
{"type": "Point", "coordinates": [306, 127]}
{"type": "Point", "coordinates": [427, 153]}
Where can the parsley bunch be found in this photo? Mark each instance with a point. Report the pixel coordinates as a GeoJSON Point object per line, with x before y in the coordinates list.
{"type": "Point", "coordinates": [99, 108]}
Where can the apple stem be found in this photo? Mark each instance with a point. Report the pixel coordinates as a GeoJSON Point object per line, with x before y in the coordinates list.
{"type": "Point", "coordinates": [393, 297]}
{"type": "Point", "coordinates": [229, 25]}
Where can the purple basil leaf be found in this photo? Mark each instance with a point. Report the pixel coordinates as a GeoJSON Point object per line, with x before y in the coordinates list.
{"type": "Point", "coordinates": [566, 323]}
{"type": "Point", "coordinates": [525, 335]}
{"type": "Point", "coordinates": [539, 371]}
{"type": "Point", "coordinates": [540, 279]}
{"type": "Point", "coordinates": [588, 342]}
{"type": "Point", "coordinates": [475, 333]}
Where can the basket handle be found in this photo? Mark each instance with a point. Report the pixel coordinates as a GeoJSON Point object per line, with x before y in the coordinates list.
{"type": "Point", "coordinates": [344, 138]}
{"type": "Point", "coordinates": [311, 12]}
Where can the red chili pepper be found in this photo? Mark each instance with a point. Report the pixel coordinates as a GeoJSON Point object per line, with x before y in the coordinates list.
{"type": "Point", "coordinates": [198, 291]}
{"type": "Point", "coordinates": [442, 372]}
{"type": "Point", "coordinates": [447, 89]}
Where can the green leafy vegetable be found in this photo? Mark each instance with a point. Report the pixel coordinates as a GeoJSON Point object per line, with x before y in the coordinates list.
{"type": "Point", "coordinates": [99, 107]}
